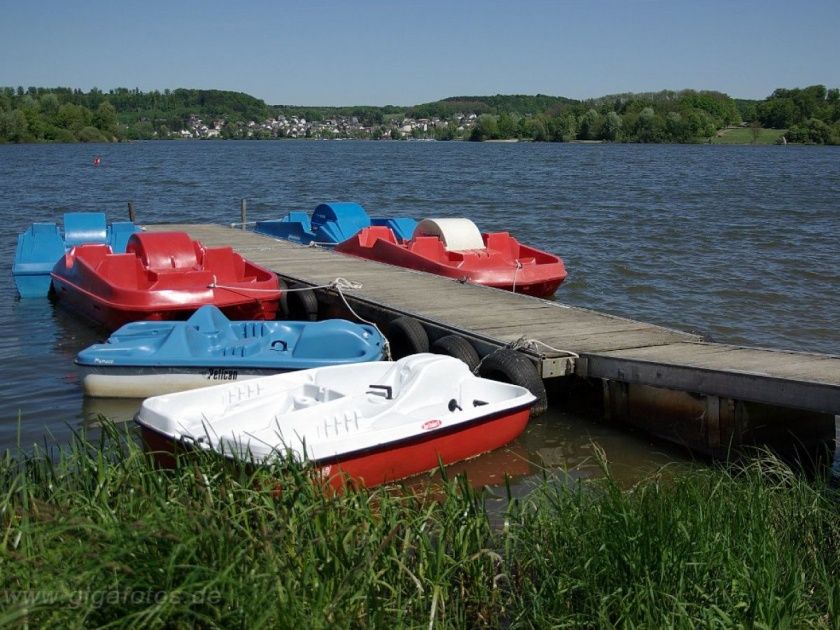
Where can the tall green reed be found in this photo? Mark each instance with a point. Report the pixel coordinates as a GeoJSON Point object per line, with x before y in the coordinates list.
{"type": "Point", "coordinates": [93, 534]}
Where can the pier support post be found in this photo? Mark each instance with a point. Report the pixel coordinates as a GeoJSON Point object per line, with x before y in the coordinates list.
{"type": "Point", "coordinates": [131, 211]}
{"type": "Point", "coordinates": [243, 211]}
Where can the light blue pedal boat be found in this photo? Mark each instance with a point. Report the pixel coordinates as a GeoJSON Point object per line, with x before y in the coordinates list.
{"type": "Point", "coordinates": [42, 245]}
{"type": "Point", "coordinates": [149, 358]}
{"type": "Point", "coordinates": [331, 223]}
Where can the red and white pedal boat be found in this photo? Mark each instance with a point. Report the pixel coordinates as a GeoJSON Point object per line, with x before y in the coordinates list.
{"type": "Point", "coordinates": [162, 276]}
{"type": "Point", "coordinates": [456, 249]}
{"type": "Point", "coordinates": [371, 423]}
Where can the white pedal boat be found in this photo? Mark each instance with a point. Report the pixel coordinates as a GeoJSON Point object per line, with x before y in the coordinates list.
{"type": "Point", "coordinates": [372, 422]}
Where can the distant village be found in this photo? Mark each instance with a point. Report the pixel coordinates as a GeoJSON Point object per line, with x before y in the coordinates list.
{"type": "Point", "coordinates": [459, 125]}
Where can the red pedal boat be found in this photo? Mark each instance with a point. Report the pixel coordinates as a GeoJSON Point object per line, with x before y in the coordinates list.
{"type": "Point", "coordinates": [162, 276]}
{"type": "Point", "coordinates": [456, 249]}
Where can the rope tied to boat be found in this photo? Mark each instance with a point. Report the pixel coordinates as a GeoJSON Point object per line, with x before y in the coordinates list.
{"type": "Point", "coordinates": [342, 284]}
{"type": "Point", "coordinates": [515, 271]}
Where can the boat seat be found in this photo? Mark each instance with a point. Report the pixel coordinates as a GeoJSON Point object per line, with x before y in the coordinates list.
{"type": "Point", "coordinates": [428, 247]}
{"type": "Point", "coordinates": [456, 234]}
{"type": "Point", "coordinates": [403, 227]}
{"type": "Point", "coordinates": [93, 255]}
{"type": "Point", "coordinates": [119, 269]}
{"type": "Point", "coordinates": [224, 263]}
{"type": "Point", "coordinates": [41, 243]}
{"type": "Point", "coordinates": [504, 243]}
{"type": "Point", "coordinates": [369, 236]}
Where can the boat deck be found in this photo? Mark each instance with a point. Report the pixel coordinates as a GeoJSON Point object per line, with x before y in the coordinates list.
{"type": "Point", "coordinates": [610, 348]}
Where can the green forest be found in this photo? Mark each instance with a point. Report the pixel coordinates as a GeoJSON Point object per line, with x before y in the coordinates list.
{"type": "Point", "coordinates": [809, 115]}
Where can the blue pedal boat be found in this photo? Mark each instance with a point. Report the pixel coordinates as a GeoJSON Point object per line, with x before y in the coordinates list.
{"type": "Point", "coordinates": [331, 223]}
{"type": "Point", "coordinates": [42, 245]}
{"type": "Point", "coordinates": [149, 358]}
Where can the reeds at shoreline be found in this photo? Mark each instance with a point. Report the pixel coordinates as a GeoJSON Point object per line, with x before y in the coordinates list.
{"type": "Point", "coordinates": [95, 535]}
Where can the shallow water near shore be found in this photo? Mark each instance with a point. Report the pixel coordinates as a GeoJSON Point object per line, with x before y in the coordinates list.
{"type": "Point", "coordinates": [738, 243]}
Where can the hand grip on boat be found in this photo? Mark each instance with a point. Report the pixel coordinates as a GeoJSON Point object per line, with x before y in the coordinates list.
{"type": "Point", "coordinates": [388, 391]}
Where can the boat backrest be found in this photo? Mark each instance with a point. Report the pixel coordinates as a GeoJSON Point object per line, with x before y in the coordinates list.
{"type": "Point", "coordinates": [164, 251]}
{"type": "Point", "coordinates": [40, 243]}
{"type": "Point", "coordinates": [427, 247]}
{"type": "Point", "coordinates": [118, 234]}
{"type": "Point", "coordinates": [296, 216]}
{"type": "Point", "coordinates": [117, 269]}
{"type": "Point", "coordinates": [456, 234]}
{"type": "Point", "coordinates": [85, 227]}
{"type": "Point", "coordinates": [403, 227]}
{"type": "Point", "coordinates": [504, 243]}
{"type": "Point", "coordinates": [209, 319]}
{"type": "Point", "coordinates": [337, 221]}
{"type": "Point", "coordinates": [369, 236]}
{"type": "Point", "coordinates": [224, 263]}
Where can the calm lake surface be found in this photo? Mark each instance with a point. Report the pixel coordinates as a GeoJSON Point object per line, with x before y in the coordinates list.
{"type": "Point", "coordinates": [738, 243]}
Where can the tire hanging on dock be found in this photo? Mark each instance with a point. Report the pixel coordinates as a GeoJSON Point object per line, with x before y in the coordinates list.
{"type": "Point", "coordinates": [407, 336]}
{"type": "Point", "coordinates": [283, 310]}
{"type": "Point", "coordinates": [302, 304]}
{"type": "Point", "coordinates": [458, 347]}
{"type": "Point", "coordinates": [509, 366]}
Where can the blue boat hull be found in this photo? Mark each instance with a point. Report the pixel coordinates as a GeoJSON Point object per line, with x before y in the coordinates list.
{"type": "Point", "coordinates": [147, 358]}
{"type": "Point", "coordinates": [42, 245]}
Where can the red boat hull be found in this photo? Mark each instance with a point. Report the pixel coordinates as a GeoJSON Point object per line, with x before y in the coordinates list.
{"type": "Point", "coordinates": [162, 276]}
{"type": "Point", "coordinates": [392, 462]}
{"type": "Point", "coordinates": [504, 263]}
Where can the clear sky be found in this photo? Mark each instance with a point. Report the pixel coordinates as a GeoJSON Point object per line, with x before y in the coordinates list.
{"type": "Point", "coordinates": [379, 52]}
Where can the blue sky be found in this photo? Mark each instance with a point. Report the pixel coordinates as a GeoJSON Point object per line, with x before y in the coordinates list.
{"type": "Point", "coordinates": [373, 52]}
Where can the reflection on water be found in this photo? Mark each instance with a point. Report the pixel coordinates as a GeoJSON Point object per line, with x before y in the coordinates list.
{"type": "Point", "coordinates": [117, 410]}
{"type": "Point", "coordinates": [563, 447]}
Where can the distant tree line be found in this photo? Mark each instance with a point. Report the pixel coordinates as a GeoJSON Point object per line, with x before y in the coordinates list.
{"type": "Point", "coordinates": [71, 115]}
{"type": "Point", "coordinates": [809, 115]}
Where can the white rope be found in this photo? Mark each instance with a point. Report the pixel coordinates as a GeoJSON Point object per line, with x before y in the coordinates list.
{"type": "Point", "coordinates": [239, 223]}
{"type": "Point", "coordinates": [515, 271]}
{"type": "Point", "coordinates": [341, 283]}
{"type": "Point", "coordinates": [524, 343]}
{"type": "Point", "coordinates": [531, 344]}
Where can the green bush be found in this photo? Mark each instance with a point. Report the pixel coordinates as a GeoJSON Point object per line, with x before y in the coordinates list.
{"type": "Point", "coordinates": [91, 134]}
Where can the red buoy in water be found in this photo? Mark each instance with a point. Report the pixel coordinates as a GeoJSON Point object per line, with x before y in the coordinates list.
{"type": "Point", "coordinates": [97, 160]}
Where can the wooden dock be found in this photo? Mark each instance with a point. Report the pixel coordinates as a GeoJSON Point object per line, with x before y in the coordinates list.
{"type": "Point", "coordinates": [705, 395]}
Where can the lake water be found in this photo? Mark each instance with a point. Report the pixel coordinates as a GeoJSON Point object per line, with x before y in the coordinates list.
{"type": "Point", "coordinates": [738, 243]}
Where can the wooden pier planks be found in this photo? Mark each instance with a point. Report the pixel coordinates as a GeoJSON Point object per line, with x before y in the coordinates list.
{"type": "Point", "coordinates": [611, 347]}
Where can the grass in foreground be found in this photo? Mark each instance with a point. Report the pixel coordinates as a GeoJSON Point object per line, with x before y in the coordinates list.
{"type": "Point", "coordinates": [96, 536]}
